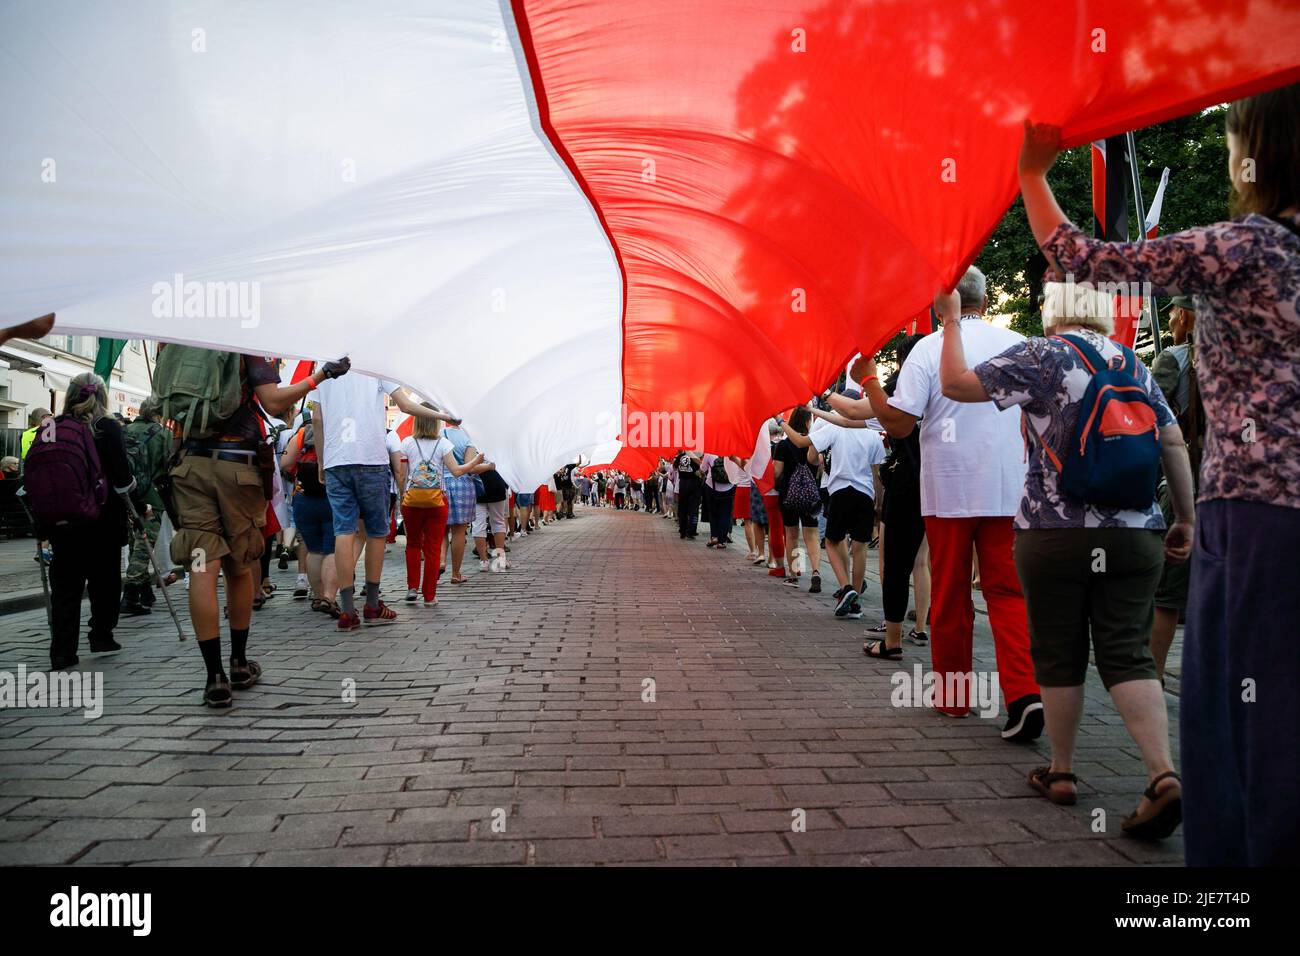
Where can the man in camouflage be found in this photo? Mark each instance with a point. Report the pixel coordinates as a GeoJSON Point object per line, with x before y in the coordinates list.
{"type": "Point", "coordinates": [155, 444]}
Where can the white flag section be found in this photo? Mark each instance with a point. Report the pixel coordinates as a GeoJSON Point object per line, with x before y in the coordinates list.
{"type": "Point", "coordinates": [1152, 221]}
{"type": "Point", "coordinates": [308, 181]}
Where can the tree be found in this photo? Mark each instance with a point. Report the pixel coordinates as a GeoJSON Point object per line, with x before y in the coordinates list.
{"type": "Point", "coordinates": [1194, 149]}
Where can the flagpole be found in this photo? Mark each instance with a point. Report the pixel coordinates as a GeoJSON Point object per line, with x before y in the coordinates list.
{"type": "Point", "coordinates": [1142, 228]}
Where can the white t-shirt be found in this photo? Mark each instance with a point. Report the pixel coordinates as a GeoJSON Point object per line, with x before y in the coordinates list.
{"type": "Point", "coordinates": [739, 476]}
{"type": "Point", "coordinates": [972, 455]}
{"type": "Point", "coordinates": [819, 427]}
{"type": "Point", "coordinates": [706, 469]}
{"type": "Point", "coordinates": [353, 406]}
{"type": "Point", "coordinates": [853, 452]}
{"type": "Point", "coordinates": [416, 450]}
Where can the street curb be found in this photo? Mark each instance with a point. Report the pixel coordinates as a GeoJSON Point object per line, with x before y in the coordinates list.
{"type": "Point", "coordinates": [22, 601]}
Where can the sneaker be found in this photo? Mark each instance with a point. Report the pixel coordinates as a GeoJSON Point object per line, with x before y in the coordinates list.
{"type": "Point", "coordinates": [217, 692]}
{"type": "Point", "coordinates": [301, 587]}
{"type": "Point", "coordinates": [413, 595]}
{"type": "Point", "coordinates": [105, 646]}
{"type": "Point", "coordinates": [919, 638]}
{"type": "Point", "coordinates": [484, 566]}
{"type": "Point", "coordinates": [855, 611]}
{"type": "Point", "coordinates": [792, 580]}
{"type": "Point", "coordinates": [879, 628]}
{"type": "Point", "coordinates": [1024, 720]}
{"type": "Point", "coordinates": [816, 586]}
{"type": "Point", "coordinates": [845, 599]}
{"type": "Point", "coordinates": [284, 561]}
{"type": "Point", "coordinates": [349, 621]}
{"type": "Point", "coordinates": [839, 593]}
{"type": "Point", "coordinates": [378, 615]}
{"type": "Point", "coordinates": [244, 676]}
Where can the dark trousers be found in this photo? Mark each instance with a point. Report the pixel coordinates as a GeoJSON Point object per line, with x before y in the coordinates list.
{"type": "Point", "coordinates": [651, 498]}
{"type": "Point", "coordinates": [721, 504]}
{"type": "Point", "coordinates": [688, 505]}
{"type": "Point", "coordinates": [86, 559]}
{"type": "Point", "coordinates": [906, 531]}
{"type": "Point", "coordinates": [1240, 713]}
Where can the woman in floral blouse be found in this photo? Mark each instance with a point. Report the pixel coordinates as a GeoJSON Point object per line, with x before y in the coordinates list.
{"type": "Point", "coordinates": [1241, 656]}
{"type": "Point", "coordinates": [1089, 572]}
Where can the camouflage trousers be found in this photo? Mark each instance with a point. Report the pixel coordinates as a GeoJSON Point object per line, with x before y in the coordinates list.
{"type": "Point", "coordinates": [139, 572]}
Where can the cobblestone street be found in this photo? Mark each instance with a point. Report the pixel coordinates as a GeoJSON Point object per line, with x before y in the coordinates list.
{"type": "Point", "coordinates": [507, 726]}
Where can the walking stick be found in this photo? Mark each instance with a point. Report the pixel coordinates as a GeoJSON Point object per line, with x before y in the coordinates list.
{"type": "Point", "coordinates": [139, 523]}
{"type": "Point", "coordinates": [40, 559]}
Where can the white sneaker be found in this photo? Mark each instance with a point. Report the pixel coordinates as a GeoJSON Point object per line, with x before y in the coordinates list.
{"type": "Point", "coordinates": [413, 594]}
{"type": "Point", "coordinates": [483, 566]}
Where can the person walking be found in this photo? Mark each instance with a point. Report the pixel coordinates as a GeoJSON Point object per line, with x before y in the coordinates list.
{"type": "Point", "coordinates": [430, 459]}
{"type": "Point", "coordinates": [77, 475]}
{"type": "Point", "coordinates": [972, 476]}
{"type": "Point", "coordinates": [148, 446]}
{"type": "Point", "coordinates": [1087, 568]}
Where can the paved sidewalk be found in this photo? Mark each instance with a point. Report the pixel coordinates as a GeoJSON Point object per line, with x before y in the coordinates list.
{"type": "Point", "coordinates": [508, 726]}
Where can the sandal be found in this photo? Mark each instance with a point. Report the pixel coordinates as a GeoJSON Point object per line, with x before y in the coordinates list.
{"type": "Point", "coordinates": [217, 693]}
{"type": "Point", "coordinates": [1042, 778]}
{"type": "Point", "coordinates": [459, 580]}
{"type": "Point", "coordinates": [244, 676]}
{"type": "Point", "coordinates": [881, 651]}
{"type": "Point", "coordinates": [1163, 814]}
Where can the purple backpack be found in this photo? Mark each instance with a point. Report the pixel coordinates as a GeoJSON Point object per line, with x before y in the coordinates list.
{"type": "Point", "coordinates": [63, 478]}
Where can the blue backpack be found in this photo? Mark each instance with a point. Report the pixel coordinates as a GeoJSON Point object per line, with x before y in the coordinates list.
{"type": "Point", "coordinates": [1113, 459]}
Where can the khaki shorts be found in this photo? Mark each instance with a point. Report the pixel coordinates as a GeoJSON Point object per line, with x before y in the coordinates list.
{"type": "Point", "coordinates": [221, 508]}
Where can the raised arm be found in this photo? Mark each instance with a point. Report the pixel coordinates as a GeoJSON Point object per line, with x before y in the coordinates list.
{"type": "Point", "coordinates": [895, 421]}
{"type": "Point", "coordinates": [1197, 260]}
{"type": "Point", "coordinates": [416, 409]}
{"type": "Point", "coordinates": [278, 399]}
{"type": "Point", "coordinates": [956, 379]}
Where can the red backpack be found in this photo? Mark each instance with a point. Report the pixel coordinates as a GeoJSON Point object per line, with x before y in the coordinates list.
{"type": "Point", "coordinates": [64, 481]}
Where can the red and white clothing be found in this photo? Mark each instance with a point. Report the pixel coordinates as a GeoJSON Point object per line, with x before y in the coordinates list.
{"type": "Point", "coordinates": [972, 476]}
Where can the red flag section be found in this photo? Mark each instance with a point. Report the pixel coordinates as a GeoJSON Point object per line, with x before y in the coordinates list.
{"type": "Point", "coordinates": [304, 369]}
{"type": "Point", "coordinates": [786, 184]}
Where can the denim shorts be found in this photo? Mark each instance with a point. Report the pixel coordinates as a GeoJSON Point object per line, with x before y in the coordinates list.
{"type": "Point", "coordinates": [523, 501]}
{"type": "Point", "coordinates": [312, 518]}
{"type": "Point", "coordinates": [359, 492]}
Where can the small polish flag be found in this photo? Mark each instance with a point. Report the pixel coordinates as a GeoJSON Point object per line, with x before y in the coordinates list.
{"type": "Point", "coordinates": [1151, 224]}
{"type": "Point", "coordinates": [760, 463]}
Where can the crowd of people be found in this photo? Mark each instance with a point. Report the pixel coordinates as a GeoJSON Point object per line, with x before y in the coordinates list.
{"type": "Point", "coordinates": [1055, 473]}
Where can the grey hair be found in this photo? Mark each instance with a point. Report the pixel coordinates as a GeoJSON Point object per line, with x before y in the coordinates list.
{"type": "Point", "coordinates": [86, 399]}
{"type": "Point", "coordinates": [972, 288]}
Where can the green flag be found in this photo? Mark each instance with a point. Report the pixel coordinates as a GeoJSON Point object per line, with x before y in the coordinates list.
{"type": "Point", "coordinates": [106, 357]}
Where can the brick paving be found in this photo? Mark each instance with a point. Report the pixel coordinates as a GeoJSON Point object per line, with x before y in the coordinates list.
{"type": "Point", "coordinates": [508, 726]}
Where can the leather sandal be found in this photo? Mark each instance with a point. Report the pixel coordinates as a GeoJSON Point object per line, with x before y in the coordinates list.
{"type": "Point", "coordinates": [881, 651]}
{"type": "Point", "coordinates": [1163, 814]}
{"type": "Point", "coordinates": [1042, 778]}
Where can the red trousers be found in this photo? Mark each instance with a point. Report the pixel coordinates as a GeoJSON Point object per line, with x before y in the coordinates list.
{"type": "Point", "coordinates": [425, 529]}
{"type": "Point", "coordinates": [775, 528]}
{"type": "Point", "coordinates": [952, 614]}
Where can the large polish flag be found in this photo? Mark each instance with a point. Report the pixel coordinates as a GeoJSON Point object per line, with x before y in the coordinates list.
{"type": "Point", "coordinates": [552, 217]}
